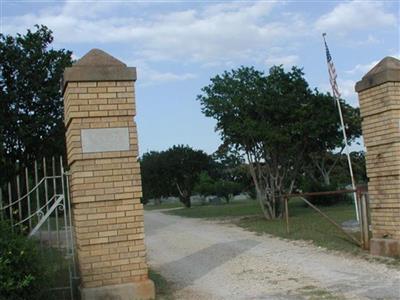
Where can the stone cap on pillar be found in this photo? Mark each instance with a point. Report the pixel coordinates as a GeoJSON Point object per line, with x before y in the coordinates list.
{"type": "Point", "coordinates": [387, 70]}
{"type": "Point", "coordinates": [97, 65]}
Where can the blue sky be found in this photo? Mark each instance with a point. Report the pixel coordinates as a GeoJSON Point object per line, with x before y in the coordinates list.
{"type": "Point", "coordinates": [178, 45]}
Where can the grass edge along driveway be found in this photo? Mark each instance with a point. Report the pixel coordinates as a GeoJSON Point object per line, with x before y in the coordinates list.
{"type": "Point", "coordinates": [305, 223]}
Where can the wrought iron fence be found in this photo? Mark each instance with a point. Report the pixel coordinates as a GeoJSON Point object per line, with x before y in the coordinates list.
{"type": "Point", "coordinates": [37, 204]}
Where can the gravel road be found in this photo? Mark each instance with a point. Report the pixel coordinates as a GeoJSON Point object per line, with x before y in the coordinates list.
{"type": "Point", "coordinates": [211, 260]}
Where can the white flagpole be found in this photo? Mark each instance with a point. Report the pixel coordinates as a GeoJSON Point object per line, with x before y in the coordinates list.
{"type": "Point", "coordinates": [346, 145]}
{"type": "Point", "coordinates": [348, 157]}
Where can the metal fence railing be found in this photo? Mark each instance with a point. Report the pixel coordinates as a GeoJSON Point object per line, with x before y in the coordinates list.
{"type": "Point", "coordinates": [362, 206]}
{"type": "Point", "coordinates": [37, 205]}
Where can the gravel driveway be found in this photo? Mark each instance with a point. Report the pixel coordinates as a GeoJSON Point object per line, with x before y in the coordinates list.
{"type": "Point", "coordinates": [211, 260]}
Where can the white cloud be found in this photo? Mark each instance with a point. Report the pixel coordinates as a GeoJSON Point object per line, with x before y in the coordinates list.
{"type": "Point", "coordinates": [369, 40]}
{"type": "Point", "coordinates": [346, 88]}
{"type": "Point", "coordinates": [362, 68]}
{"type": "Point", "coordinates": [288, 60]}
{"type": "Point", "coordinates": [74, 57]}
{"type": "Point", "coordinates": [209, 34]}
{"type": "Point", "coordinates": [355, 15]}
{"type": "Point", "coordinates": [151, 76]}
{"type": "Point", "coordinates": [148, 76]}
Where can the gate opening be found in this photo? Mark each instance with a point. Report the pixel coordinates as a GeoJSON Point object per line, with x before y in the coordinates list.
{"type": "Point", "coordinates": [37, 205]}
{"type": "Point", "coordinates": [362, 206]}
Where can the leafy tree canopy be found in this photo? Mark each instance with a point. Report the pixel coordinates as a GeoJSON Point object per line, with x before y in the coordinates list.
{"type": "Point", "coordinates": [275, 121]}
{"type": "Point", "coordinates": [206, 186]}
{"type": "Point", "coordinates": [31, 108]}
{"type": "Point", "coordinates": [173, 172]}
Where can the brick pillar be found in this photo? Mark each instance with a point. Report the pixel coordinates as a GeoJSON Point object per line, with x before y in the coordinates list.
{"type": "Point", "coordinates": [105, 180]}
{"type": "Point", "coordinates": [379, 96]}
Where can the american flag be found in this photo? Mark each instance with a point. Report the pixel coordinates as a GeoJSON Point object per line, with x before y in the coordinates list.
{"type": "Point", "coordinates": [332, 71]}
{"type": "Point", "coordinates": [336, 95]}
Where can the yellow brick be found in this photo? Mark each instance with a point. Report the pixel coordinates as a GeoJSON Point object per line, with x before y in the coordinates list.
{"type": "Point", "coordinates": [125, 106]}
{"type": "Point", "coordinates": [106, 83]}
{"type": "Point", "coordinates": [125, 83]}
{"type": "Point", "coordinates": [116, 89]}
{"type": "Point", "coordinates": [98, 113]}
{"type": "Point", "coordinates": [80, 114]}
{"type": "Point", "coordinates": [107, 95]}
{"type": "Point", "coordinates": [77, 90]}
{"type": "Point", "coordinates": [108, 107]}
{"type": "Point", "coordinates": [88, 108]}
{"type": "Point", "coordinates": [71, 85]}
{"type": "Point", "coordinates": [105, 186]}
{"type": "Point", "coordinates": [102, 276]}
{"type": "Point", "coordinates": [120, 262]}
{"type": "Point", "coordinates": [87, 96]}
{"type": "Point", "coordinates": [98, 101]}
{"type": "Point", "coordinates": [97, 90]}
{"type": "Point", "coordinates": [87, 84]}
{"type": "Point", "coordinates": [116, 214]}
{"type": "Point", "coordinates": [98, 241]}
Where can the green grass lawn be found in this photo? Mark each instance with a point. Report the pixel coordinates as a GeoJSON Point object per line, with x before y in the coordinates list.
{"type": "Point", "coordinates": [305, 223]}
{"type": "Point", "coordinates": [163, 287]}
{"type": "Point", "coordinates": [234, 209]}
{"type": "Point", "coordinates": [162, 206]}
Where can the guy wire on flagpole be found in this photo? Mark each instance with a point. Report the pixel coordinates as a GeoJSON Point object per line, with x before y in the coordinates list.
{"type": "Point", "coordinates": [337, 99]}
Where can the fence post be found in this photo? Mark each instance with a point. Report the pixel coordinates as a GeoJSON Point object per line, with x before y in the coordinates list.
{"type": "Point", "coordinates": [363, 213]}
{"type": "Point", "coordinates": [1, 204]}
{"type": "Point", "coordinates": [46, 197]}
{"type": "Point", "coordinates": [29, 196]}
{"type": "Point", "coordinates": [19, 199]}
{"type": "Point", "coordinates": [359, 212]}
{"type": "Point", "coordinates": [37, 190]}
{"type": "Point", "coordinates": [364, 217]}
{"type": "Point", "coordinates": [287, 214]}
{"type": "Point", "coordinates": [10, 208]}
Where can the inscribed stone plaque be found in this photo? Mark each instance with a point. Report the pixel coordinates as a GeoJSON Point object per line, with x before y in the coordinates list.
{"type": "Point", "coordinates": [105, 139]}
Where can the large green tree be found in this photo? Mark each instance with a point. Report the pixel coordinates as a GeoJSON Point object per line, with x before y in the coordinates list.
{"type": "Point", "coordinates": [323, 159]}
{"type": "Point", "coordinates": [275, 121]}
{"type": "Point", "coordinates": [156, 180]}
{"type": "Point", "coordinates": [173, 172]}
{"type": "Point", "coordinates": [226, 189]}
{"type": "Point", "coordinates": [31, 108]}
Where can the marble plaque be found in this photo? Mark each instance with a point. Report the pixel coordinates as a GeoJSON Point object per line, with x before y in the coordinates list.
{"type": "Point", "coordinates": [105, 139]}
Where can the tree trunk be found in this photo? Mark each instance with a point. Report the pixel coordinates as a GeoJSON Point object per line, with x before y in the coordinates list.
{"type": "Point", "coordinates": [262, 199]}
{"type": "Point", "coordinates": [184, 196]}
{"type": "Point", "coordinates": [186, 201]}
{"type": "Point", "coordinates": [327, 178]}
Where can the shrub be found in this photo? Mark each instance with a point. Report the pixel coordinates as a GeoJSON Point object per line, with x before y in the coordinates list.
{"type": "Point", "coordinates": [207, 186]}
{"type": "Point", "coordinates": [26, 271]}
{"type": "Point", "coordinates": [325, 200]}
{"type": "Point", "coordinates": [227, 189]}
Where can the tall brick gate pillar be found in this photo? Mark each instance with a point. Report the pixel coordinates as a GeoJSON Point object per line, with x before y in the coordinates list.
{"type": "Point", "coordinates": [379, 95]}
{"type": "Point", "coordinates": [105, 181]}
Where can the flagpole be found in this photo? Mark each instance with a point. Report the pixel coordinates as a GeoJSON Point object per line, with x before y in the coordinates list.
{"type": "Point", "coordinates": [336, 97]}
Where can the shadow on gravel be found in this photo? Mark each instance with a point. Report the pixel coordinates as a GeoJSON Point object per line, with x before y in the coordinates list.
{"type": "Point", "coordinates": [198, 264]}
